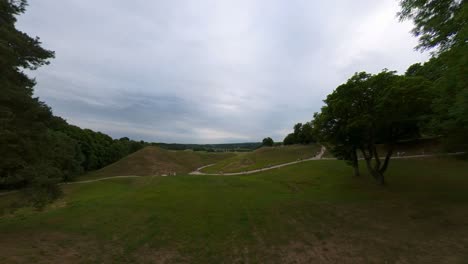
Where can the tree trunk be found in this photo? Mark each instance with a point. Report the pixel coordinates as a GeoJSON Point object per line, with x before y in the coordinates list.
{"type": "Point", "coordinates": [355, 163]}
{"type": "Point", "coordinates": [369, 164]}
{"type": "Point", "coordinates": [387, 160]}
{"type": "Point", "coordinates": [375, 170]}
{"type": "Point", "coordinates": [380, 178]}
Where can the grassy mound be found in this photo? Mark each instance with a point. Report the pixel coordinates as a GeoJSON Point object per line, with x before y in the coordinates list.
{"type": "Point", "coordinates": [158, 161]}
{"type": "Point", "coordinates": [312, 212]}
{"type": "Point", "coordinates": [264, 157]}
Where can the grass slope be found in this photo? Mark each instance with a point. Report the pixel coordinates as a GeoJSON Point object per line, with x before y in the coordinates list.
{"type": "Point", "coordinates": [158, 161]}
{"type": "Point", "coordinates": [263, 157]}
{"type": "Point", "coordinates": [313, 212]}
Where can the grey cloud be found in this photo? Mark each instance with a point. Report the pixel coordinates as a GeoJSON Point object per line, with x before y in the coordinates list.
{"type": "Point", "coordinates": [208, 71]}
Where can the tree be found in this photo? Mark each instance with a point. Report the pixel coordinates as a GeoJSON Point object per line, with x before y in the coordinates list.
{"type": "Point", "coordinates": [303, 134]}
{"type": "Point", "coordinates": [373, 109]}
{"type": "Point", "coordinates": [439, 24]}
{"type": "Point", "coordinates": [39, 149]}
{"type": "Point", "coordinates": [23, 118]}
{"type": "Point", "coordinates": [449, 74]}
{"type": "Point", "coordinates": [268, 142]}
{"type": "Point", "coordinates": [306, 134]}
{"type": "Point", "coordinates": [290, 139]}
{"type": "Point", "coordinates": [334, 124]}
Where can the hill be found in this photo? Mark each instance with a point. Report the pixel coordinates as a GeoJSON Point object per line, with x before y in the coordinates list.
{"type": "Point", "coordinates": [312, 212]}
{"type": "Point", "coordinates": [157, 161]}
{"type": "Point", "coordinates": [264, 157]}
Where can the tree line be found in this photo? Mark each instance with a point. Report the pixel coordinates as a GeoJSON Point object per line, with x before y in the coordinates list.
{"type": "Point", "coordinates": [37, 148]}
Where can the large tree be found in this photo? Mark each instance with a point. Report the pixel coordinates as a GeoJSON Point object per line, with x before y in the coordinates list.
{"type": "Point", "coordinates": [371, 110]}
{"type": "Point", "coordinates": [23, 118]}
{"type": "Point", "coordinates": [335, 123]}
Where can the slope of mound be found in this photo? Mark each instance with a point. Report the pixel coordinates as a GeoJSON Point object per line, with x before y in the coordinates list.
{"type": "Point", "coordinates": [157, 161]}
{"type": "Point", "coordinates": [264, 157]}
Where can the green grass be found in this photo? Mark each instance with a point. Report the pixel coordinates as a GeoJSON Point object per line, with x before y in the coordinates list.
{"type": "Point", "coordinates": [313, 212]}
{"type": "Point", "coordinates": [264, 157]}
{"type": "Point", "coordinates": [157, 161]}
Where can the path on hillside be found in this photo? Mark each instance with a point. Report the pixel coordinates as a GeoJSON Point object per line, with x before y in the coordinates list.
{"type": "Point", "coordinates": [316, 157]}
{"type": "Point", "coordinates": [86, 181]}
{"type": "Point", "coordinates": [198, 172]}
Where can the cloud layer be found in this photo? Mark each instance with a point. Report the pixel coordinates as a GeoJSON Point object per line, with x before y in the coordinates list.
{"type": "Point", "coordinates": [208, 71]}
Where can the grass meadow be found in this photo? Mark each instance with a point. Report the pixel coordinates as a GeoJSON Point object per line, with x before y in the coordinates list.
{"type": "Point", "coordinates": [312, 212]}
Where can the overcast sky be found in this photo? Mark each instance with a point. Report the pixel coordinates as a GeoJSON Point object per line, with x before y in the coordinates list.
{"type": "Point", "coordinates": [208, 71]}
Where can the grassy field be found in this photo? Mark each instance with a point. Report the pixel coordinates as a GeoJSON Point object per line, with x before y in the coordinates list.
{"type": "Point", "coordinates": [313, 212]}
{"type": "Point", "coordinates": [158, 161]}
{"type": "Point", "coordinates": [263, 157]}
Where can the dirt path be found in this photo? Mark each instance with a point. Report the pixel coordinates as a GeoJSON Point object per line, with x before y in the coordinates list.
{"type": "Point", "coordinates": [87, 181]}
{"type": "Point", "coordinates": [317, 157]}
{"type": "Point", "coordinates": [198, 172]}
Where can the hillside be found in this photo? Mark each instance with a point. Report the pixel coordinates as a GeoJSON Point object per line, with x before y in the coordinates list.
{"type": "Point", "coordinates": [313, 212]}
{"type": "Point", "coordinates": [157, 161]}
{"type": "Point", "coordinates": [264, 157]}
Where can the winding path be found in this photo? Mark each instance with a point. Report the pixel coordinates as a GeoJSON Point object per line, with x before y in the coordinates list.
{"type": "Point", "coordinates": [198, 172]}
{"type": "Point", "coordinates": [316, 157]}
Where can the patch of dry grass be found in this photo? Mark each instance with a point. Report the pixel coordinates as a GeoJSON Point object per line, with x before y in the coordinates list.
{"type": "Point", "coordinates": [157, 161]}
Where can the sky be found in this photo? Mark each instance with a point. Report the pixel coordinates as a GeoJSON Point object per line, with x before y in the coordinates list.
{"type": "Point", "coordinates": [208, 71]}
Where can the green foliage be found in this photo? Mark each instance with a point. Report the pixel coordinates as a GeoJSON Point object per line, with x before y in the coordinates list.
{"type": "Point", "coordinates": [290, 139]}
{"type": "Point", "coordinates": [268, 142]}
{"type": "Point", "coordinates": [439, 24]}
{"type": "Point", "coordinates": [303, 134]}
{"type": "Point", "coordinates": [373, 109]}
{"type": "Point", "coordinates": [448, 73]}
{"type": "Point", "coordinates": [23, 130]}
{"type": "Point", "coordinates": [442, 25]}
{"type": "Point", "coordinates": [38, 149]}
{"type": "Point", "coordinates": [43, 187]}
